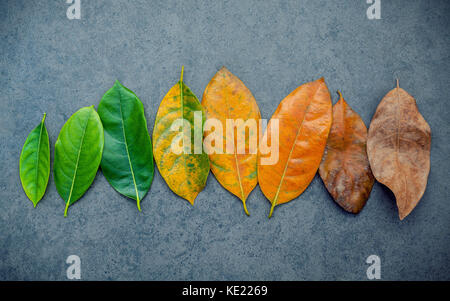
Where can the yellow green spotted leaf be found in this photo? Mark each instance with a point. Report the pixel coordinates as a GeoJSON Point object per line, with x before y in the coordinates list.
{"type": "Point", "coordinates": [177, 142]}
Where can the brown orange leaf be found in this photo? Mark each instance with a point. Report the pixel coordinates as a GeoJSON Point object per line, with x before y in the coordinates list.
{"type": "Point", "coordinates": [304, 118]}
{"type": "Point", "coordinates": [398, 146]}
{"type": "Point", "coordinates": [345, 168]}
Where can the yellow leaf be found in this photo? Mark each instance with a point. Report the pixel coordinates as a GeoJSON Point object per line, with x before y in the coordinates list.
{"type": "Point", "coordinates": [227, 98]}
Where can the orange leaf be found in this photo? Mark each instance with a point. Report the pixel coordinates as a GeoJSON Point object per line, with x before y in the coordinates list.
{"type": "Point", "coordinates": [304, 118]}
{"type": "Point", "coordinates": [227, 98]}
{"type": "Point", "coordinates": [345, 168]}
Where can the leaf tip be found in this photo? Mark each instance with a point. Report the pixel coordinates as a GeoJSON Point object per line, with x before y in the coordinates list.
{"type": "Point", "coordinates": [117, 84]}
{"type": "Point", "coordinates": [191, 200]}
{"type": "Point", "coordinates": [402, 215]}
{"type": "Point", "coordinates": [190, 197]}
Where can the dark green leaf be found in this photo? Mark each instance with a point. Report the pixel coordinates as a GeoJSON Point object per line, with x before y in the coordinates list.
{"type": "Point", "coordinates": [127, 161]}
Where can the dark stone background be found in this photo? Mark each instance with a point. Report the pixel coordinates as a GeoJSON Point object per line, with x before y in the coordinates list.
{"type": "Point", "coordinates": [55, 65]}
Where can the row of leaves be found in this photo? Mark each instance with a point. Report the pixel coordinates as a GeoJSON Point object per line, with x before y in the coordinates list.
{"type": "Point", "coordinates": [314, 135]}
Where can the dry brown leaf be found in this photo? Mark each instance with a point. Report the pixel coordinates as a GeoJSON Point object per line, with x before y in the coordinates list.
{"type": "Point", "coordinates": [398, 147]}
{"type": "Point", "coordinates": [345, 168]}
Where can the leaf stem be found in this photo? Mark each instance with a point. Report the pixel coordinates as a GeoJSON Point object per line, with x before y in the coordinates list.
{"type": "Point", "coordinates": [245, 208]}
{"type": "Point", "coordinates": [182, 72]}
{"type": "Point", "coordinates": [398, 86]}
{"type": "Point", "coordinates": [271, 208]}
{"type": "Point", "coordinates": [65, 210]}
{"type": "Point", "coordinates": [43, 118]}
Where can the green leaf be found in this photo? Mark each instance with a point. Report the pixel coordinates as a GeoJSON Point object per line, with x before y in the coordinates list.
{"type": "Point", "coordinates": [78, 152]}
{"type": "Point", "coordinates": [185, 173]}
{"type": "Point", "coordinates": [127, 161]}
{"type": "Point", "coordinates": [35, 163]}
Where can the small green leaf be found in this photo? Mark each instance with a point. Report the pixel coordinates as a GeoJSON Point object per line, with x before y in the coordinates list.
{"type": "Point", "coordinates": [127, 161]}
{"type": "Point", "coordinates": [78, 152]}
{"type": "Point", "coordinates": [35, 163]}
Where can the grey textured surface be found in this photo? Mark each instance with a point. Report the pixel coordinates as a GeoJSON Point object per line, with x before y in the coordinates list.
{"type": "Point", "coordinates": [55, 65]}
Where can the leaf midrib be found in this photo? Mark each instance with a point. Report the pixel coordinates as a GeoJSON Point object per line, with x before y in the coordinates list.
{"type": "Point", "coordinates": [37, 160]}
{"type": "Point", "coordinates": [344, 132]}
{"type": "Point", "coordinates": [182, 117]}
{"type": "Point", "coordinates": [275, 200]}
{"type": "Point", "coordinates": [77, 163]}
{"type": "Point", "coordinates": [237, 163]}
{"type": "Point", "coordinates": [399, 116]}
{"type": "Point", "coordinates": [128, 153]}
